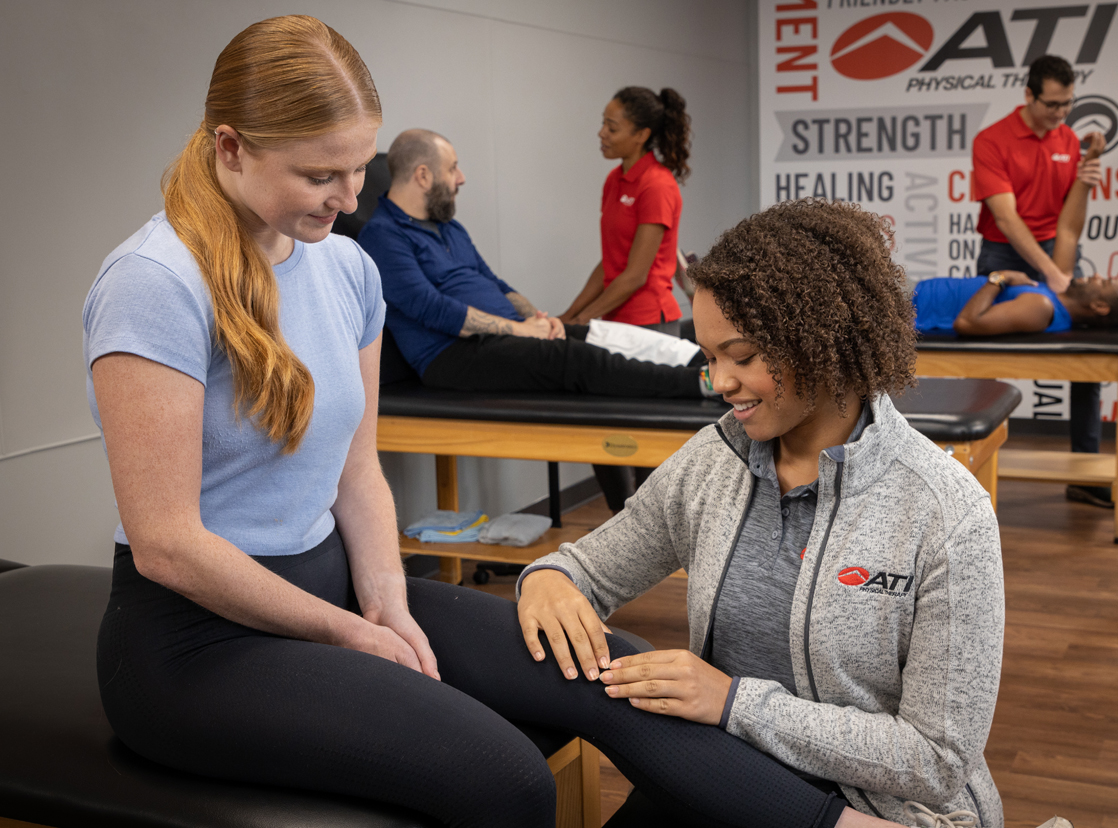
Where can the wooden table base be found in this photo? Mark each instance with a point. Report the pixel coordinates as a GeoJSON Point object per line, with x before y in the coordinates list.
{"type": "Point", "coordinates": [1060, 467]}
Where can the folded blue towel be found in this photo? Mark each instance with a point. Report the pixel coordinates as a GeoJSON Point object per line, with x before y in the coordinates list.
{"type": "Point", "coordinates": [442, 520]}
{"type": "Point", "coordinates": [465, 536]}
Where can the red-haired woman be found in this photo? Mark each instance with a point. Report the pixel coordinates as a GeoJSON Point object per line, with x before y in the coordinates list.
{"type": "Point", "coordinates": [259, 627]}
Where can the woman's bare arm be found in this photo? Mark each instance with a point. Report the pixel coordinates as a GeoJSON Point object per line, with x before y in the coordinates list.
{"type": "Point", "coordinates": [642, 254]}
{"type": "Point", "coordinates": [151, 416]}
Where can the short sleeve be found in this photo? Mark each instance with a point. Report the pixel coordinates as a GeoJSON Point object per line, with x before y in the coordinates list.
{"type": "Point", "coordinates": [140, 307]}
{"type": "Point", "coordinates": [658, 203]}
{"type": "Point", "coordinates": [991, 175]}
{"type": "Point", "coordinates": [374, 301]}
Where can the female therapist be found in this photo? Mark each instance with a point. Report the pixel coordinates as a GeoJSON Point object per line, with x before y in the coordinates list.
{"type": "Point", "coordinates": [640, 212]}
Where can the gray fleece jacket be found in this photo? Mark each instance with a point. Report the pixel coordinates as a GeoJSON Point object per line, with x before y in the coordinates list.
{"type": "Point", "coordinates": [897, 618]}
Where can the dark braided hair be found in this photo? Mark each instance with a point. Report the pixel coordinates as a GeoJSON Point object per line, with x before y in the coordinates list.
{"type": "Point", "coordinates": [811, 283]}
{"type": "Point", "coordinates": [665, 115]}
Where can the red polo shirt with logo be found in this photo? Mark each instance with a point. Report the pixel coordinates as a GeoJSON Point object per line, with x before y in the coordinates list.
{"type": "Point", "coordinates": [647, 194]}
{"type": "Point", "coordinates": [1009, 158]}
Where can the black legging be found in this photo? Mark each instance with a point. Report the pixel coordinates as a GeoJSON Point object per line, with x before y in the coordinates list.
{"type": "Point", "coordinates": [502, 362]}
{"type": "Point", "coordinates": [189, 689]}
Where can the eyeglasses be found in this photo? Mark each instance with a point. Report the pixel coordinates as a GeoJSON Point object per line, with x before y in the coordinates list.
{"type": "Point", "coordinates": [1056, 106]}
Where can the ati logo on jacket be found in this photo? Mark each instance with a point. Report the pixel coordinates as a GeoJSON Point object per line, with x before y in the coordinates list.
{"type": "Point", "coordinates": [883, 583]}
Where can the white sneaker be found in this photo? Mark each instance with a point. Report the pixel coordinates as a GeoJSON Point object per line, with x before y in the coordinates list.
{"type": "Point", "coordinates": [1057, 822]}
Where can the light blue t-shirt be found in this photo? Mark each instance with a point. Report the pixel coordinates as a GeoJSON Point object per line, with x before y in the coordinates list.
{"type": "Point", "coordinates": [149, 299]}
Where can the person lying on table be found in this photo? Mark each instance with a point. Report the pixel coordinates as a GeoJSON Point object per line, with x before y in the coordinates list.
{"type": "Point", "coordinates": [1008, 301]}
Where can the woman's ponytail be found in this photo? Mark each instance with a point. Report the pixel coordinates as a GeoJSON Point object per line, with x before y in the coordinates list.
{"type": "Point", "coordinates": [271, 384]}
{"type": "Point", "coordinates": [674, 140]}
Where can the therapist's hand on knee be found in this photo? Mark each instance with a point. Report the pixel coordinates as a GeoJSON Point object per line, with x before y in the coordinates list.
{"type": "Point", "coordinates": [551, 604]}
{"type": "Point", "coordinates": [670, 682]}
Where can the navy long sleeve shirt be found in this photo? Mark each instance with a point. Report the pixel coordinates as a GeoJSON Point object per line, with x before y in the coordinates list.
{"type": "Point", "coordinates": [429, 279]}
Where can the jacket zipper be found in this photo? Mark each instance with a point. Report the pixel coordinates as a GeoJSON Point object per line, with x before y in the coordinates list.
{"type": "Point", "coordinates": [815, 580]}
{"type": "Point", "coordinates": [708, 639]}
{"type": "Point", "coordinates": [810, 603]}
{"type": "Point", "coordinates": [974, 799]}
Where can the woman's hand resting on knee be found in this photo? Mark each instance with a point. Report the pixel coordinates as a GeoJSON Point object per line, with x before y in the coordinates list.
{"type": "Point", "coordinates": [671, 682]}
{"type": "Point", "coordinates": [551, 603]}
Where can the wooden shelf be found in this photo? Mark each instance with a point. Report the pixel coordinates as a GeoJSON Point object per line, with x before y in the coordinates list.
{"type": "Point", "coordinates": [547, 543]}
{"type": "Point", "coordinates": [1057, 467]}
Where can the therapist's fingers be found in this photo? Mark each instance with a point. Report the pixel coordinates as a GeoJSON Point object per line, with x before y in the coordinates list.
{"type": "Point", "coordinates": [596, 631]}
{"type": "Point", "coordinates": [556, 636]}
{"type": "Point", "coordinates": [585, 633]}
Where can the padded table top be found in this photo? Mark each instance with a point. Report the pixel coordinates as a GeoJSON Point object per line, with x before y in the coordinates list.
{"type": "Point", "coordinates": [60, 763]}
{"type": "Point", "coordinates": [943, 410]}
{"type": "Point", "coordinates": [1081, 341]}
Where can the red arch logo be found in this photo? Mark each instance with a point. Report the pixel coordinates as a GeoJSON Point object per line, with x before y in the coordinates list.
{"type": "Point", "coordinates": [853, 576]}
{"type": "Point", "coordinates": [882, 45]}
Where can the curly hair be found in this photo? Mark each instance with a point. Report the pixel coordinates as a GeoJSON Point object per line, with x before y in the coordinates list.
{"type": "Point", "coordinates": [812, 283]}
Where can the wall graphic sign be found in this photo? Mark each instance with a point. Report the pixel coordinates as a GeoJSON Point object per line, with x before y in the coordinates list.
{"type": "Point", "coordinates": [878, 101]}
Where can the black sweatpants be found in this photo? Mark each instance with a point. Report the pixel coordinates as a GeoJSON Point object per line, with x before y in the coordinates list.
{"type": "Point", "coordinates": [501, 362]}
{"type": "Point", "coordinates": [187, 688]}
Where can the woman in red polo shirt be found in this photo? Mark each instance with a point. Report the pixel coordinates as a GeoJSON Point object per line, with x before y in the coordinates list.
{"type": "Point", "coordinates": [640, 212]}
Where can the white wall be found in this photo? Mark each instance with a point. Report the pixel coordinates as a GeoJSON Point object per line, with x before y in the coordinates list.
{"type": "Point", "coordinates": [99, 96]}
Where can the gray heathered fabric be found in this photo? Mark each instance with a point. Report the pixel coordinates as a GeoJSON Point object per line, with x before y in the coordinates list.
{"type": "Point", "coordinates": [895, 687]}
{"type": "Point", "coordinates": [751, 618]}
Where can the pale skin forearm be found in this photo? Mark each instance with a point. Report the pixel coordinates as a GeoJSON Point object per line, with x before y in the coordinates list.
{"type": "Point", "coordinates": [366, 513]}
{"type": "Point", "coordinates": [152, 419]}
{"type": "Point", "coordinates": [1003, 206]}
{"type": "Point", "coordinates": [522, 305]}
{"type": "Point", "coordinates": [480, 322]}
{"type": "Point", "coordinates": [1019, 235]}
{"type": "Point", "coordinates": [539, 326]}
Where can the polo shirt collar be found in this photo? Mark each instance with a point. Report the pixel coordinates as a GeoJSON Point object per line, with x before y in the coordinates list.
{"type": "Point", "coordinates": [1021, 129]}
{"type": "Point", "coordinates": [397, 213]}
{"type": "Point", "coordinates": [637, 170]}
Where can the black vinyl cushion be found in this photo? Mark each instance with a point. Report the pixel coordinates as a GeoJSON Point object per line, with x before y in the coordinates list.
{"type": "Point", "coordinates": [61, 765]}
{"type": "Point", "coordinates": [1080, 340]}
{"type": "Point", "coordinates": [944, 410]}
{"type": "Point", "coordinates": [377, 181]}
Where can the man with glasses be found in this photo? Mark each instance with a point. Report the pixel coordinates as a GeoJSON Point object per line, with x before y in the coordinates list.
{"type": "Point", "coordinates": [1024, 166]}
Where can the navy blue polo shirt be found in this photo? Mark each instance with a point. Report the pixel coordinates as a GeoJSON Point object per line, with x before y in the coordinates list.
{"type": "Point", "coordinates": [429, 278]}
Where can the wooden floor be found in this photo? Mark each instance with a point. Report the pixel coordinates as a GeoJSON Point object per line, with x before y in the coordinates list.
{"type": "Point", "coordinates": [1053, 748]}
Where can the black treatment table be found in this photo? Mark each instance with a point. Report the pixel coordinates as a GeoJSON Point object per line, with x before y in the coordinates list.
{"type": "Point", "coordinates": [61, 765]}
{"type": "Point", "coordinates": [966, 417]}
{"type": "Point", "coordinates": [1077, 355]}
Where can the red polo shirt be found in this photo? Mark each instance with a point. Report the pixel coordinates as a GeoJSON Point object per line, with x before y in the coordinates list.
{"type": "Point", "coordinates": [647, 194]}
{"type": "Point", "coordinates": [1009, 158]}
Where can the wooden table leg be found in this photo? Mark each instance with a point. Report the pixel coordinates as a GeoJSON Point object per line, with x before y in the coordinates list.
{"type": "Point", "coordinates": [1113, 494]}
{"type": "Point", "coordinates": [446, 482]}
{"type": "Point", "coordinates": [591, 785]}
{"type": "Point", "coordinates": [987, 475]}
